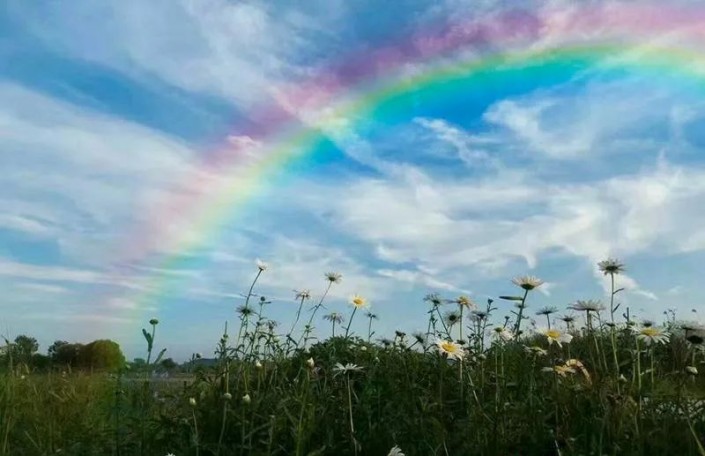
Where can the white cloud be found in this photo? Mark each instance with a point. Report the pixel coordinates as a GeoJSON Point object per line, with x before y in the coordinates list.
{"type": "Point", "coordinates": [237, 50]}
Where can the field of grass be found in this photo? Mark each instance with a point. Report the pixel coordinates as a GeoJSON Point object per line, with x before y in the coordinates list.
{"type": "Point", "coordinates": [596, 381]}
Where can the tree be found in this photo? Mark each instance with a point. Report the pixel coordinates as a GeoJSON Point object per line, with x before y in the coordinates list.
{"type": "Point", "coordinates": [68, 354]}
{"type": "Point", "coordinates": [54, 348]}
{"type": "Point", "coordinates": [168, 364]}
{"type": "Point", "coordinates": [25, 347]}
{"type": "Point", "coordinates": [101, 354]}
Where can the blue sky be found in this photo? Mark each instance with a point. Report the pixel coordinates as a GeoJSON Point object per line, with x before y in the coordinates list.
{"type": "Point", "coordinates": [105, 106]}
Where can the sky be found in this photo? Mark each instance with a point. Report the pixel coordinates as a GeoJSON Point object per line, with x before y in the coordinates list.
{"type": "Point", "coordinates": [151, 152]}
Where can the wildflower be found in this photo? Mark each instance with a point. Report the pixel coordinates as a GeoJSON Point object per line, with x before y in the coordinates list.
{"type": "Point", "coordinates": [419, 337]}
{"type": "Point", "coordinates": [691, 370]}
{"type": "Point", "coordinates": [503, 334]}
{"type": "Point", "coordinates": [358, 301]}
{"type": "Point", "coordinates": [451, 349]}
{"type": "Point", "coordinates": [451, 318]}
{"type": "Point", "coordinates": [344, 369]}
{"type": "Point", "coordinates": [689, 326]}
{"type": "Point", "coordinates": [464, 301]}
{"type": "Point", "coordinates": [400, 334]}
{"type": "Point", "coordinates": [589, 305]}
{"type": "Point", "coordinates": [567, 319]}
{"type": "Point", "coordinates": [310, 363]}
{"type": "Point", "coordinates": [245, 311]}
{"type": "Point", "coordinates": [395, 451]}
{"type": "Point", "coordinates": [610, 266]}
{"type": "Point", "coordinates": [153, 322]}
{"type": "Point", "coordinates": [227, 396]}
{"type": "Point", "coordinates": [371, 316]}
{"type": "Point", "coordinates": [333, 277]}
{"type": "Point", "coordinates": [695, 339]}
{"type": "Point", "coordinates": [170, 454]}
{"type": "Point", "coordinates": [192, 401]}
{"type": "Point", "coordinates": [199, 356]}
{"type": "Point", "coordinates": [647, 323]}
{"type": "Point", "coordinates": [434, 299]}
{"type": "Point", "coordinates": [334, 317]}
{"type": "Point", "coordinates": [563, 370]}
{"type": "Point", "coordinates": [546, 311]}
{"type": "Point", "coordinates": [261, 265]}
{"type": "Point", "coordinates": [554, 335]}
{"type": "Point", "coordinates": [536, 350]}
{"type": "Point", "coordinates": [246, 399]}
{"type": "Point", "coordinates": [527, 282]}
{"type": "Point", "coordinates": [478, 315]}
{"type": "Point", "coordinates": [651, 334]}
{"type": "Point", "coordinates": [303, 294]}
{"type": "Point", "coordinates": [576, 364]}
{"type": "Point", "coordinates": [622, 378]}
{"type": "Point", "coordinates": [258, 364]}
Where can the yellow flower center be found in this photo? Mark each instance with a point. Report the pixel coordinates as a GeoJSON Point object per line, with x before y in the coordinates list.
{"type": "Point", "coordinates": [449, 347]}
{"type": "Point", "coordinates": [358, 301]}
{"type": "Point", "coordinates": [650, 332]}
{"type": "Point", "coordinates": [553, 334]}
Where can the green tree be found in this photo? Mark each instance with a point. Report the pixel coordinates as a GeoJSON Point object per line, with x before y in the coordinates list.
{"type": "Point", "coordinates": [25, 347]}
{"type": "Point", "coordinates": [54, 348]}
{"type": "Point", "coordinates": [68, 354]}
{"type": "Point", "coordinates": [168, 364]}
{"type": "Point", "coordinates": [101, 354]}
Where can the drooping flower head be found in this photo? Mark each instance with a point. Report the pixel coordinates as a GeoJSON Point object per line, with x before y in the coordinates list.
{"type": "Point", "coordinates": [611, 266]}
{"type": "Point", "coordinates": [450, 349]}
{"type": "Point", "coordinates": [589, 305]}
{"type": "Point", "coordinates": [395, 451]}
{"type": "Point", "coordinates": [502, 334]}
{"type": "Point", "coordinates": [334, 317]}
{"type": "Point", "coordinates": [344, 369]}
{"type": "Point", "coordinates": [548, 310]}
{"type": "Point", "coordinates": [527, 282]}
{"type": "Point", "coordinates": [303, 294]}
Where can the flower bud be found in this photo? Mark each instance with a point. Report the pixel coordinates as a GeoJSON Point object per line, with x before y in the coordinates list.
{"type": "Point", "coordinates": [246, 399]}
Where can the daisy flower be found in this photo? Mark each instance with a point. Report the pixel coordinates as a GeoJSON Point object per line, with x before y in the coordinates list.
{"type": "Point", "coordinates": [344, 369]}
{"type": "Point", "coordinates": [502, 334]}
{"type": "Point", "coordinates": [556, 336]}
{"type": "Point", "coordinates": [611, 266]}
{"type": "Point", "coordinates": [527, 282]}
{"type": "Point", "coordinates": [451, 349]}
{"type": "Point", "coordinates": [395, 451]}
{"type": "Point", "coordinates": [333, 277]}
{"type": "Point", "coordinates": [261, 265]}
{"type": "Point", "coordinates": [358, 301]}
{"type": "Point", "coordinates": [652, 335]}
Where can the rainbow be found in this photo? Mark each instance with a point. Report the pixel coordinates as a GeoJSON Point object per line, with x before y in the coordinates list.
{"type": "Point", "coordinates": [646, 39]}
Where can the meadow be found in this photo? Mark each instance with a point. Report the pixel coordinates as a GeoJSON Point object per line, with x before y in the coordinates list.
{"type": "Point", "coordinates": [591, 380]}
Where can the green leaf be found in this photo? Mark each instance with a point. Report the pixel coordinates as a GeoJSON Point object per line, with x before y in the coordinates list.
{"type": "Point", "coordinates": [159, 356]}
